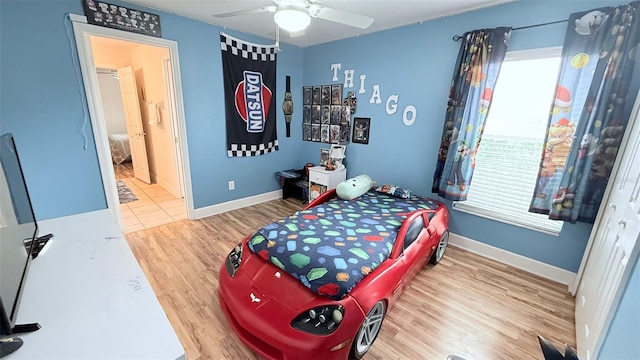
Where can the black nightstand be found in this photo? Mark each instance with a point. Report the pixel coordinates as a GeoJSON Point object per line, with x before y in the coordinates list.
{"type": "Point", "coordinates": [294, 184]}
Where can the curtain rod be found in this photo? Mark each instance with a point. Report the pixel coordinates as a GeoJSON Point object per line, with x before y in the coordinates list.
{"type": "Point", "coordinates": [458, 37]}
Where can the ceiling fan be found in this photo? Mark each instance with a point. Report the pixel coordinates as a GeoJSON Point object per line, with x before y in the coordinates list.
{"type": "Point", "coordinates": [295, 15]}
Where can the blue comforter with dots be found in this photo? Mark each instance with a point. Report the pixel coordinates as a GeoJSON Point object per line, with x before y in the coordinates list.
{"type": "Point", "coordinates": [331, 247]}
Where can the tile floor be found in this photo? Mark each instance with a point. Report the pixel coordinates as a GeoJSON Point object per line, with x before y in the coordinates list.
{"type": "Point", "coordinates": [154, 207]}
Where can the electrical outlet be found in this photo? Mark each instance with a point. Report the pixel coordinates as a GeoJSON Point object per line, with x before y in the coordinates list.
{"type": "Point", "coordinates": [232, 185]}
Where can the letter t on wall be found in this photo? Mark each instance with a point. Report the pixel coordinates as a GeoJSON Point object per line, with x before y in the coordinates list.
{"type": "Point", "coordinates": [335, 68]}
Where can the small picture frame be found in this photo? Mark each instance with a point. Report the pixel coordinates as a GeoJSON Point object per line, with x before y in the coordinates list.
{"type": "Point", "coordinates": [336, 114]}
{"type": "Point", "coordinates": [325, 133]}
{"type": "Point", "coordinates": [316, 190]}
{"type": "Point", "coordinates": [306, 132]}
{"type": "Point", "coordinates": [317, 96]}
{"type": "Point", "coordinates": [326, 94]}
{"type": "Point", "coordinates": [334, 136]}
{"type": "Point", "coordinates": [315, 132]}
{"type": "Point", "coordinates": [324, 156]}
{"type": "Point", "coordinates": [336, 94]}
{"type": "Point", "coordinates": [316, 114]}
{"type": "Point", "coordinates": [306, 114]}
{"type": "Point", "coordinates": [345, 132]}
{"type": "Point", "coordinates": [361, 130]}
{"type": "Point", "coordinates": [346, 114]}
{"type": "Point", "coordinates": [325, 118]}
{"type": "Point", "coordinates": [307, 95]}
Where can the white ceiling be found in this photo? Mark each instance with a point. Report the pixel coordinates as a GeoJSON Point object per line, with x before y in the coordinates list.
{"type": "Point", "coordinates": [387, 14]}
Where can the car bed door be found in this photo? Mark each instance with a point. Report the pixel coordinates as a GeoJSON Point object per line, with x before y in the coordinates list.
{"type": "Point", "coordinates": [415, 254]}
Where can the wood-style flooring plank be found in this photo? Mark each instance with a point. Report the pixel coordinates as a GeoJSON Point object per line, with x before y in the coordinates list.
{"type": "Point", "coordinates": [467, 305]}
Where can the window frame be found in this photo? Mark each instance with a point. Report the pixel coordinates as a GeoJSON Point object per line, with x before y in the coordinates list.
{"type": "Point", "coordinates": [464, 206]}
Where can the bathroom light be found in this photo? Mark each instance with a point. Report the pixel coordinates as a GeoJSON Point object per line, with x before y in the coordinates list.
{"type": "Point", "coordinates": [292, 19]}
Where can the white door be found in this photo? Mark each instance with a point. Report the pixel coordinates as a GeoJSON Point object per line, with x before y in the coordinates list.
{"type": "Point", "coordinates": [614, 246]}
{"type": "Point", "coordinates": [135, 130]}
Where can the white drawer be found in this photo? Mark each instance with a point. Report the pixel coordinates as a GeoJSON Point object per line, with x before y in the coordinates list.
{"type": "Point", "coordinates": [318, 178]}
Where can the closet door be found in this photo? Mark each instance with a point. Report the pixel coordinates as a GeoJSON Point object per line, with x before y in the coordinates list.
{"type": "Point", "coordinates": [614, 246]}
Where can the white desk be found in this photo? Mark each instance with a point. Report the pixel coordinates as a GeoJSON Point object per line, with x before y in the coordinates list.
{"type": "Point", "coordinates": [91, 297]}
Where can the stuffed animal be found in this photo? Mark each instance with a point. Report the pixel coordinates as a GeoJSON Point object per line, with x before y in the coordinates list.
{"type": "Point", "coordinates": [354, 187]}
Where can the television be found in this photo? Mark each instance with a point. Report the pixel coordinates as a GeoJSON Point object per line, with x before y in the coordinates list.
{"type": "Point", "coordinates": [18, 231]}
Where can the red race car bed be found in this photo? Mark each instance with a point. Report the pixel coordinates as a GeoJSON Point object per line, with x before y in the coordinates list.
{"type": "Point", "coordinates": [317, 284]}
{"type": "Point", "coordinates": [332, 246]}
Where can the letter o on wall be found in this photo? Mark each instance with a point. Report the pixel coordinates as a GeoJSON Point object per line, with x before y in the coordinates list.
{"type": "Point", "coordinates": [408, 121]}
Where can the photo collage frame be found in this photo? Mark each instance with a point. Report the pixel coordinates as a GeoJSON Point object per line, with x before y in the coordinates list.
{"type": "Point", "coordinates": [122, 18]}
{"type": "Point", "coordinates": [325, 118]}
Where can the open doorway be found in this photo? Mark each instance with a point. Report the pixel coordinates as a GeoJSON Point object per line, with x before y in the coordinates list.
{"type": "Point", "coordinates": [134, 96]}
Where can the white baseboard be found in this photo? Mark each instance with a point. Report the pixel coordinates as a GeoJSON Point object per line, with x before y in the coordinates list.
{"type": "Point", "coordinates": [165, 185]}
{"type": "Point", "coordinates": [236, 204]}
{"type": "Point", "coordinates": [518, 261]}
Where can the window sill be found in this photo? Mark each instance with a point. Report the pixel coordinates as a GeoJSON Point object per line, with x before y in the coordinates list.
{"type": "Point", "coordinates": [491, 215]}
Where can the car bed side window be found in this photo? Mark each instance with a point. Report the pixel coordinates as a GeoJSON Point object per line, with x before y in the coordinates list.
{"type": "Point", "coordinates": [414, 230]}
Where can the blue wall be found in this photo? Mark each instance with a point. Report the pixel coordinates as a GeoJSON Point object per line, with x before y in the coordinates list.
{"type": "Point", "coordinates": [42, 106]}
{"type": "Point", "coordinates": [416, 63]}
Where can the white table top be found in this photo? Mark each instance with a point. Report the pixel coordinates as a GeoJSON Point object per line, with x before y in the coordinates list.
{"type": "Point", "coordinates": [91, 297]}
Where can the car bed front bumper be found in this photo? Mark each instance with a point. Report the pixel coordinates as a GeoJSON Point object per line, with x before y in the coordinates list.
{"type": "Point", "coordinates": [265, 328]}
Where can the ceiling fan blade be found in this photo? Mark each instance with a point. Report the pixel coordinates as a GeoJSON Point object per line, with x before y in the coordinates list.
{"type": "Point", "coordinates": [245, 12]}
{"type": "Point", "coordinates": [343, 17]}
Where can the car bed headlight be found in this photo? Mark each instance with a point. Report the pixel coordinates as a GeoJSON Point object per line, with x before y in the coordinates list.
{"type": "Point", "coordinates": [321, 320]}
{"type": "Point", "coordinates": [234, 259]}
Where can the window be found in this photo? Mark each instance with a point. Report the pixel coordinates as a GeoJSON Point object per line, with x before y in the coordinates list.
{"type": "Point", "coordinates": [508, 158]}
{"type": "Point", "coordinates": [416, 227]}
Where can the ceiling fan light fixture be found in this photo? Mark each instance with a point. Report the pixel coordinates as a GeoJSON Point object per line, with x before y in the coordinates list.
{"type": "Point", "coordinates": [292, 19]}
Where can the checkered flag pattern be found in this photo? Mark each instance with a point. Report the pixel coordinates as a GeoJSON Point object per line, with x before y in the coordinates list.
{"type": "Point", "coordinates": [241, 150]}
{"type": "Point", "coordinates": [247, 50]}
{"type": "Point", "coordinates": [249, 72]}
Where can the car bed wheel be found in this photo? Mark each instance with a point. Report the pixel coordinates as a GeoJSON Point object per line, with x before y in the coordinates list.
{"type": "Point", "coordinates": [440, 249]}
{"type": "Point", "coordinates": [368, 331]}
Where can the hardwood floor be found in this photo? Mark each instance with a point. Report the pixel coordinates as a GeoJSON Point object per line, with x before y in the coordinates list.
{"type": "Point", "coordinates": [467, 305]}
{"type": "Point", "coordinates": [123, 171]}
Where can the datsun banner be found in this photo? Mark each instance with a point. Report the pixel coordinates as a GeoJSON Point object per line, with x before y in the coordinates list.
{"type": "Point", "coordinates": [249, 89]}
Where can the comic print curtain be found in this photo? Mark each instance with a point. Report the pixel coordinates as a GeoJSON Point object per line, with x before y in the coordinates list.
{"type": "Point", "coordinates": [474, 77]}
{"type": "Point", "coordinates": [590, 112]}
{"type": "Point", "coordinates": [249, 91]}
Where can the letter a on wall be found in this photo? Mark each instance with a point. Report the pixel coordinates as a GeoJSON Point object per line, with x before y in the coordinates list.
{"type": "Point", "coordinates": [249, 92]}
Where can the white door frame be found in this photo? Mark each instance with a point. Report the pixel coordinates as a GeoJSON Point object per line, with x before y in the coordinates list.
{"type": "Point", "coordinates": [170, 88]}
{"type": "Point", "coordinates": [82, 32]}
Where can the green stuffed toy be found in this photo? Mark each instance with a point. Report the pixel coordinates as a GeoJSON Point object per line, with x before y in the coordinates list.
{"type": "Point", "coordinates": [354, 187]}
